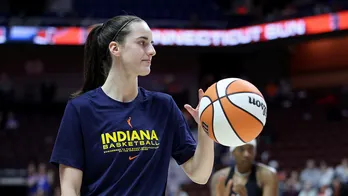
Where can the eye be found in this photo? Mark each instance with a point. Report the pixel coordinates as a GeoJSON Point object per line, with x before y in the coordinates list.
{"type": "Point", "coordinates": [142, 43]}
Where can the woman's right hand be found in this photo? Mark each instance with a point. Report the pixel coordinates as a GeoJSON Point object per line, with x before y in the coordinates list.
{"type": "Point", "coordinates": [221, 189]}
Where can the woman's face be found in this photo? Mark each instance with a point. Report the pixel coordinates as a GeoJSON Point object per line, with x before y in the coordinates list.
{"type": "Point", "coordinates": [137, 50]}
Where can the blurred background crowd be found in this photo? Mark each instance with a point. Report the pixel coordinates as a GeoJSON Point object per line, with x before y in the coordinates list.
{"type": "Point", "coordinates": [304, 81]}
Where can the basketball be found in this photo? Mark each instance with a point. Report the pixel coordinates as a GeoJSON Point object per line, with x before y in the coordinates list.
{"type": "Point", "coordinates": [232, 112]}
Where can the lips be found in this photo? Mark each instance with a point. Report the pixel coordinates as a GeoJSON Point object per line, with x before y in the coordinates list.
{"type": "Point", "coordinates": [147, 60]}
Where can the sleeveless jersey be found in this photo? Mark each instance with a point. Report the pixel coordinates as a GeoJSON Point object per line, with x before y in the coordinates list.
{"type": "Point", "coordinates": [251, 186]}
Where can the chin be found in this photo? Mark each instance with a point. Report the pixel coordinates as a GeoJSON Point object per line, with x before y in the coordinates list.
{"type": "Point", "coordinates": [145, 72]}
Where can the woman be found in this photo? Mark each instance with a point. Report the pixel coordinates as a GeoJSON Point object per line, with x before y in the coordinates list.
{"type": "Point", "coordinates": [245, 177]}
{"type": "Point", "coordinates": [116, 138]}
{"type": "Point", "coordinates": [32, 179]}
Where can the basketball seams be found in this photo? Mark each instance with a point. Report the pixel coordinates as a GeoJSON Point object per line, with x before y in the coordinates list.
{"type": "Point", "coordinates": [244, 92]}
{"type": "Point", "coordinates": [223, 110]}
{"type": "Point", "coordinates": [212, 116]}
{"type": "Point", "coordinates": [211, 102]}
{"type": "Point", "coordinates": [228, 86]}
{"type": "Point", "coordinates": [245, 111]}
{"type": "Point", "coordinates": [257, 93]}
{"type": "Point", "coordinates": [212, 123]}
{"type": "Point", "coordinates": [233, 94]}
{"type": "Point", "coordinates": [222, 85]}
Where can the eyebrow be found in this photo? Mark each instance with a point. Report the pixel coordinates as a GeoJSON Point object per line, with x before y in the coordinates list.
{"type": "Point", "coordinates": [144, 37]}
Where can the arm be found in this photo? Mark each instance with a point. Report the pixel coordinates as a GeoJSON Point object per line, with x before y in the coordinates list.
{"type": "Point", "coordinates": [270, 183]}
{"type": "Point", "coordinates": [200, 166]}
{"type": "Point", "coordinates": [70, 180]}
{"type": "Point", "coordinates": [196, 159]}
{"type": "Point", "coordinates": [68, 152]}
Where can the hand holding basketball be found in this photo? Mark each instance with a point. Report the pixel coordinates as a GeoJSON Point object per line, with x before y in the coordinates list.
{"type": "Point", "coordinates": [195, 111]}
{"type": "Point", "coordinates": [232, 112]}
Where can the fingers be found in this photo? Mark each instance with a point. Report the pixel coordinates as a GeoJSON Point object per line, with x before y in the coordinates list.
{"type": "Point", "coordinates": [200, 94]}
{"type": "Point", "coordinates": [219, 187]}
{"type": "Point", "coordinates": [240, 189]}
{"type": "Point", "coordinates": [229, 185]}
{"type": "Point", "coordinates": [244, 192]}
{"type": "Point", "coordinates": [221, 181]}
{"type": "Point", "coordinates": [188, 107]}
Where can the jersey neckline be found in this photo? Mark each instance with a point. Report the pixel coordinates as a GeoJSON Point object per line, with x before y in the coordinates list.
{"type": "Point", "coordinates": [114, 101]}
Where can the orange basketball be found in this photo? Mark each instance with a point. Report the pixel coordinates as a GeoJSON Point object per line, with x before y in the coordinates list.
{"type": "Point", "coordinates": [233, 112]}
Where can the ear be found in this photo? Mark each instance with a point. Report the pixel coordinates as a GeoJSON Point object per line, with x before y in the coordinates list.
{"type": "Point", "coordinates": [114, 48]}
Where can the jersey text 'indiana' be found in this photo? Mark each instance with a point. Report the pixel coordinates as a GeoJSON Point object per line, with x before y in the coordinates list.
{"type": "Point", "coordinates": [129, 140]}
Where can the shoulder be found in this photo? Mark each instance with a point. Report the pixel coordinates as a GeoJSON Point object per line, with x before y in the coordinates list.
{"type": "Point", "coordinates": [266, 170]}
{"type": "Point", "coordinates": [80, 100]}
{"type": "Point", "coordinates": [158, 98]}
{"type": "Point", "coordinates": [266, 174]}
{"type": "Point", "coordinates": [155, 95]}
{"type": "Point", "coordinates": [222, 172]}
{"type": "Point", "coordinates": [83, 100]}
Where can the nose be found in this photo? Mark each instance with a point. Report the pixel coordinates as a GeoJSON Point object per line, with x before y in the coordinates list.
{"type": "Point", "coordinates": [246, 154]}
{"type": "Point", "coordinates": [151, 51]}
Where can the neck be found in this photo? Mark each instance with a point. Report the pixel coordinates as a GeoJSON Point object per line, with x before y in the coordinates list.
{"type": "Point", "coordinates": [121, 87]}
{"type": "Point", "coordinates": [242, 170]}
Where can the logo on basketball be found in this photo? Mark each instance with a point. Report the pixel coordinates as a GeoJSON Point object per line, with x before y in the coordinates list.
{"type": "Point", "coordinates": [258, 104]}
{"type": "Point", "coordinates": [205, 127]}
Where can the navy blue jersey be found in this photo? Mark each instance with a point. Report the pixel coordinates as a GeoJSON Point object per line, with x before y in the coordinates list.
{"type": "Point", "coordinates": [123, 148]}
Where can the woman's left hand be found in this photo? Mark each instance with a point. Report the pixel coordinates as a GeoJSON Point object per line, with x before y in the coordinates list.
{"type": "Point", "coordinates": [195, 111]}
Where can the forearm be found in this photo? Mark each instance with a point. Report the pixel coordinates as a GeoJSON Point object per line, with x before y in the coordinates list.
{"type": "Point", "coordinates": [203, 159]}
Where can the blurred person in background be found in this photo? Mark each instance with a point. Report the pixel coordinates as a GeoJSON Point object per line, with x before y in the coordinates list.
{"type": "Point", "coordinates": [245, 177]}
{"type": "Point", "coordinates": [310, 174]}
{"type": "Point", "coordinates": [43, 181]}
{"type": "Point", "coordinates": [293, 182]}
{"type": "Point", "coordinates": [110, 101]}
{"type": "Point", "coordinates": [176, 178]}
{"type": "Point", "coordinates": [342, 170]}
{"type": "Point", "coordinates": [32, 178]}
{"type": "Point", "coordinates": [326, 174]}
{"type": "Point", "coordinates": [308, 190]}
{"type": "Point", "coordinates": [338, 187]}
{"type": "Point", "coordinates": [325, 191]}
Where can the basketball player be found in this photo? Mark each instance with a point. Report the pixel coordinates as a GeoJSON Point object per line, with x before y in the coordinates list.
{"type": "Point", "coordinates": [116, 138]}
{"type": "Point", "coordinates": [245, 177]}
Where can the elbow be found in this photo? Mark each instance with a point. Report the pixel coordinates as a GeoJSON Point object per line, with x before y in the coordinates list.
{"type": "Point", "coordinates": [200, 179]}
{"type": "Point", "coordinates": [199, 174]}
